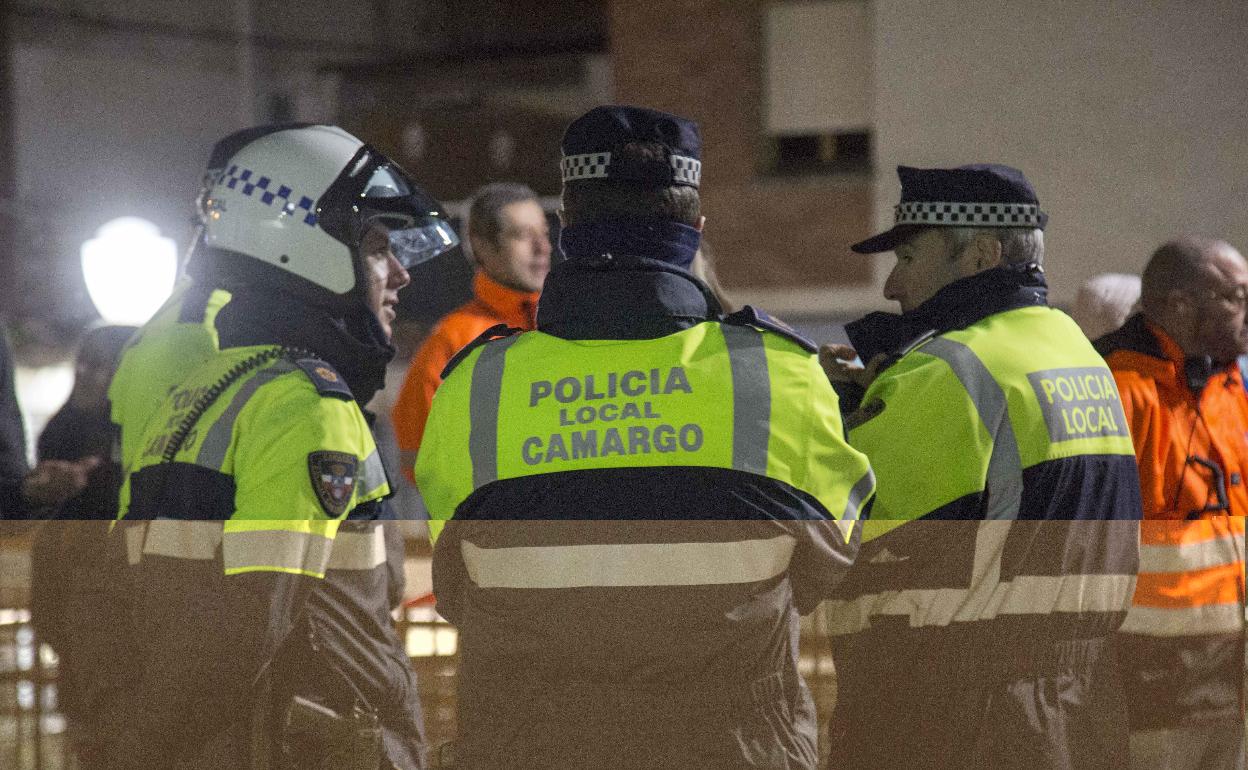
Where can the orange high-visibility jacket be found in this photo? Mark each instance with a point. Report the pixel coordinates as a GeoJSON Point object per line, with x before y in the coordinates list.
{"type": "Point", "coordinates": [491, 304]}
{"type": "Point", "coordinates": [1183, 640]}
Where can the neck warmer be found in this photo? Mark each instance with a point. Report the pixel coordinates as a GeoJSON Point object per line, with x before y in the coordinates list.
{"type": "Point", "coordinates": [669, 242]}
{"type": "Point", "coordinates": [356, 345]}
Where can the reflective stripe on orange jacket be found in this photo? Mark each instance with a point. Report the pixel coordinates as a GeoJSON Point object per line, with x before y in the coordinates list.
{"type": "Point", "coordinates": [491, 304]}
{"type": "Point", "coordinates": [1191, 578]}
{"type": "Point", "coordinates": [1183, 639]}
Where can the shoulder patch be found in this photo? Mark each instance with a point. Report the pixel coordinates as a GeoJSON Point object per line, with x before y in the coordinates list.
{"type": "Point", "coordinates": [333, 477]}
{"type": "Point", "coordinates": [750, 316]}
{"type": "Point", "coordinates": [496, 332]}
{"type": "Point", "coordinates": [326, 378]}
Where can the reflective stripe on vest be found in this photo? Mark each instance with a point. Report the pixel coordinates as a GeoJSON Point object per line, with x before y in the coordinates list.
{"type": "Point", "coordinates": [1191, 578]}
{"type": "Point", "coordinates": [250, 550]}
{"type": "Point", "coordinates": [487, 390]}
{"type": "Point", "coordinates": [1005, 468]}
{"type": "Point", "coordinates": [276, 550]}
{"type": "Point", "coordinates": [988, 596]}
{"type": "Point", "coordinates": [858, 495]}
{"type": "Point", "coordinates": [751, 398]}
{"type": "Point", "coordinates": [358, 550]}
{"type": "Point", "coordinates": [221, 435]}
{"type": "Point", "coordinates": [628, 564]}
{"type": "Point", "coordinates": [194, 540]}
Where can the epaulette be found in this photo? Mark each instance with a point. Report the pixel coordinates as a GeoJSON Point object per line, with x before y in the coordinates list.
{"type": "Point", "coordinates": [905, 350]}
{"type": "Point", "coordinates": [749, 316]}
{"type": "Point", "coordinates": [915, 344]}
{"type": "Point", "coordinates": [495, 332]}
{"type": "Point", "coordinates": [327, 380]}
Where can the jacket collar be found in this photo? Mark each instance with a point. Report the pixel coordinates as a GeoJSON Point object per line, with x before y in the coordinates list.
{"type": "Point", "coordinates": [1139, 336]}
{"type": "Point", "coordinates": [514, 307]}
{"type": "Point", "coordinates": [663, 240]}
{"type": "Point", "coordinates": [1157, 355]}
{"type": "Point", "coordinates": [622, 298]}
{"type": "Point", "coordinates": [955, 306]}
{"type": "Point", "coordinates": [355, 345]}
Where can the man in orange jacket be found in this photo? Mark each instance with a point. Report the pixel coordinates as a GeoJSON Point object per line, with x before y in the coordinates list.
{"type": "Point", "coordinates": [509, 245]}
{"type": "Point", "coordinates": [1183, 394]}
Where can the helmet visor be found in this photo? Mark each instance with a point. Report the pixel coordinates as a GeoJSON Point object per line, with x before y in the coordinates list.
{"type": "Point", "coordinates": [414, 245]}
{"type": "Point", "coordinates": [373, 190]}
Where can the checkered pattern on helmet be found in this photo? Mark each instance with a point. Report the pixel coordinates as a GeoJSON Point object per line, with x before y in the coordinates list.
{"type": "Point", "coordinates": [942, 213]}
{"type": "Point", "coordinates": [589, 166]}
{"type": "Point", "coordinates": [268, 192]}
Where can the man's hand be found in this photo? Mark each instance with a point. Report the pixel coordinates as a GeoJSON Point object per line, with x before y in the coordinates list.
{"type": "Point", "coordinates": [838, 363]}
{"type": "Point", "coordinates": [52, 482]}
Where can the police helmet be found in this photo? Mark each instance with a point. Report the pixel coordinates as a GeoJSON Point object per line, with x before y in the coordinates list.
{"type": "Point", "coordinates": [295, 203]}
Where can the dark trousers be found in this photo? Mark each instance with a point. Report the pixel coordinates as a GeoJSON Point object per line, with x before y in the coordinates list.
{"type": "Point", "coordinates": [1066, 715]}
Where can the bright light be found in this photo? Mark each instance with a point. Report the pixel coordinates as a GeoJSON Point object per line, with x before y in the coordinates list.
{"type": "Point", "coordinates": [130, 269]}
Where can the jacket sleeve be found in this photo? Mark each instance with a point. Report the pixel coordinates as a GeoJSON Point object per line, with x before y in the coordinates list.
{"type": "Point", "coordinates": [911, 416]}
{"type": "Point", "coordinates": [449, 573]}
{"type": "Point", "coordinates": [840, 479]}
{"type": "Point", "coordinates": [444, 464]}
{"type": "Point", "coordinates": [1143, 412]}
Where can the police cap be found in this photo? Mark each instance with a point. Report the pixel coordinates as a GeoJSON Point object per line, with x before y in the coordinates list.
{"type": "Point", "coordinates": [981, 195]}
{"type": "Point", "coordinates": [592, 142]}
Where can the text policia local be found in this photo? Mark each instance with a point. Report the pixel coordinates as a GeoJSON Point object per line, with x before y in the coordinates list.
{"type": "Point", "coordinates": [578, 394]}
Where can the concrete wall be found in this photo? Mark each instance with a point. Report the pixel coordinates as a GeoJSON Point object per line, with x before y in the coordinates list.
{"type": "Point", "coordinates": [1130, 117]}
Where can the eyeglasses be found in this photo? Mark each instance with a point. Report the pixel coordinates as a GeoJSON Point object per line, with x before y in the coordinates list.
{"type": "Point", "coordinates": [1236, 296]}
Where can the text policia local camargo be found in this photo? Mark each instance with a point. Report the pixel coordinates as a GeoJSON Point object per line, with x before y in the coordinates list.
{"type": "Point", "coordinates": [599, 399]}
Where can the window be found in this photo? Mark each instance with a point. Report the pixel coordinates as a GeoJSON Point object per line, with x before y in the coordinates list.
{"type": "Point", "coordinates": [818, 85]}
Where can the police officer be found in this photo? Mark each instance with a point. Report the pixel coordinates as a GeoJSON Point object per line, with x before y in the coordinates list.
{"type": "Point", "coordinates": [1001, 555]}
{"type": "Point", "coordinates": [245, 478]}
{"type": "Point", "coordinates": [183, 333]}
{"type": "Point", "coordinates": [646, 496]}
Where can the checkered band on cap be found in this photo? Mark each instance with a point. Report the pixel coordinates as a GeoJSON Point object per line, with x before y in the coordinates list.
{"type": "Point", "coordinates": [268, 192]}
{"type": "Point", "coordinates": [686, 170]}
{"type": "Point", "coordinates": [955, 214]}
{"type": "Point", "coordinates": [590, 166]}
{"type": "Point", "coordinates": [594, 165]}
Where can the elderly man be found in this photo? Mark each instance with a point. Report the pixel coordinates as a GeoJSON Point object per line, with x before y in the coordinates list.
{"type": "Point", "coordinates": [509, 246]}
{"type": "Point", "coordinates": [1183, 393]}
{"type": "Point", "coordinates": [973, 630]}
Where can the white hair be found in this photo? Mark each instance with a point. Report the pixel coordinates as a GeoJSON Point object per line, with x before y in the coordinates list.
{"type": "Point", "coordinates": [1104, 302]}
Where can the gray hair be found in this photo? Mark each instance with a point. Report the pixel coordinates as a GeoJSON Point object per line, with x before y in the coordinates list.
{"type": "Point", "coordinates": [1019, 246]}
